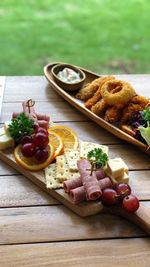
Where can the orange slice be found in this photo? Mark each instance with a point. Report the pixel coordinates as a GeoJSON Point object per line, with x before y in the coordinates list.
{"type": "Point", "coordinates": [31, 163]}
{"type": "Point", "coordinates": [57, 142]}
{"type": "Point", "coordinates": [69, 137]}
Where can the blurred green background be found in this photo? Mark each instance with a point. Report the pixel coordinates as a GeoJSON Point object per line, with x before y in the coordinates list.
{"type": "Point", "coordinates": [106, 36]}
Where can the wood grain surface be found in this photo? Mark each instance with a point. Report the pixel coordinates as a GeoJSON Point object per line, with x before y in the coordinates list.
{"type": "Point", "coordinates": [116, 252]}
{"type": "Point", "coordinates": [35, 229]}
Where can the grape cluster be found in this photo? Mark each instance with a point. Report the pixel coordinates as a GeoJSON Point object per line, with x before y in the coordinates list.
{"type": "Point", "coordinates": [121, 193]}
{"type": "Point", "coordinates": [36, 145]}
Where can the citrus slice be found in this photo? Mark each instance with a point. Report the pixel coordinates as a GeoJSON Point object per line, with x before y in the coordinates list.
{"type": "Point", "coordinates": [32, 164]}
{"type": "Point", "coordinates": [69, 137]}
{"type": "Point", "coordinates": [57, 142]}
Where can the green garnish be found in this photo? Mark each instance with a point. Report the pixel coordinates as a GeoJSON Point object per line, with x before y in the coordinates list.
{"type": "Point", "coordinates": [20, 126]}
{"type": "Point", "coordinates": [98, 158]}
{"type": "Point", "coordinates": [146, 114]}
{"type": "Point", "coordinates": [145, 132]}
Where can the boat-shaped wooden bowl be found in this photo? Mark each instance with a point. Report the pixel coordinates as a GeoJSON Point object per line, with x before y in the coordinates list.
{"type": "Point", "coordinates": [90, 76]}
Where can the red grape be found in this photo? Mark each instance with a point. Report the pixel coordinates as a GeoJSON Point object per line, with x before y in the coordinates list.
{"type": "Point", "coordinates": [26, 139]}
{"type": "Point", "coordinates": [28, 150]}
{"type": "Point", "coordinates": [42, 130]}
{"type": "Point", "coordinates": [123, 190]}
{"type": "Point", "coordinates": [41, 140]}
{"type": "Point", "coordinates": [109, 196]}
{"type": "Point", "coordinates": [41, 155]}
{"type": "Point", "coordinates": [130, 203]}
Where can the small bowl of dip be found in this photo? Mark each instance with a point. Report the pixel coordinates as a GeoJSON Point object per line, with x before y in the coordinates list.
{"type": "Point", "coordinates": [68, 76]}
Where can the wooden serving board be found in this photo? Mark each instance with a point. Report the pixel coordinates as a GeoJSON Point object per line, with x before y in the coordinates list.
{"type": "Point", "coordinates": [90, 76]}
{"type": "Point", "coordinates": [141, 217]}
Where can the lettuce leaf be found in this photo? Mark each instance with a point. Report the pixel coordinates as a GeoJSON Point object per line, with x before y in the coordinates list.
{"type": "Point", "coordinates": [145, 132]}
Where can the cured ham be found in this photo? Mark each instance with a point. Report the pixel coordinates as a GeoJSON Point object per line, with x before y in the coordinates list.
{"type": "Point", "coordinates": [41, 120]}
{"type": "Point", "coordinates": [79, 194]}
{"type": "Point", "coordinates": [30, 112]}
{"type": "Point", "coordinates": [89, 181]}
{"type": "Point", "coordinates": [40, 116]}
{"type": "Point", "coordinates": [43, 124]}
{"type": "Point", "coordinates": [77, 182]}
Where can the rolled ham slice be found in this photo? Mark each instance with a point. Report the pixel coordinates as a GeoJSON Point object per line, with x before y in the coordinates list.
{"type": "Point", "coordinates": [79, 194]}
{"type": "Point", "coordinates": [43, 119]}
{"type": "Point", "coordinates": [43, 124]}
{"type": "Point", "coordinates": [31, 114]}
{"type": "Point", "coordinates": [77, 182]}
{"type": "Point", "coordinates": [90, 182]}
{"type": "Point", "coordinates": [40, 116]}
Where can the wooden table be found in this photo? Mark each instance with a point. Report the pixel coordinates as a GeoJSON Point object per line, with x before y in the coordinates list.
{"type": "Point", "coordinates": [35, 229]}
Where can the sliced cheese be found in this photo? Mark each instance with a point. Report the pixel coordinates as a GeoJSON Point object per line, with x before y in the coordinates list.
{"type": "Point", "coordinates": [88, 146]}
{"type": "Point", "coordinates": [6, 141]}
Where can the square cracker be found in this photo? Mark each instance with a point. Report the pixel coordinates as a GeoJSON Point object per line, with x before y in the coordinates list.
{"type": "Point", "coordinates": [50, 175]}
{"type": "Point", "coordinates": [72, 157]}
{"type": "Point", "coordinates": [85, 147]}
{"type": "Point", "coordinates": [62, 171]}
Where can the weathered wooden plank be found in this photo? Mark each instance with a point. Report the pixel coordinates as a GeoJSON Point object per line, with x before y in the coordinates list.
{"type": "Point", "coordinates": [18, 190]}
{"type": "Point", "coordinates": [53, 223]}
{"type": "Point", "coordinates": [57, 109]}
{"type": "Point", "coordinates": [106, 253]}
{"type": "Point", "coordinates": [38, 88]}
{"type": "Point", "coordinates": [5, 169]}
{"type": "Point", "coordinates": [35, 87]}
{"type": "Point", "coordinates": [140, 184]}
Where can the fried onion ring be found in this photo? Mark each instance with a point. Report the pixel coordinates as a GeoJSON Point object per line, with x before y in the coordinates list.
{"type": "Point", "coordinates": [117, 91]}
{"type": "Point", "coordinates": [93, 100]}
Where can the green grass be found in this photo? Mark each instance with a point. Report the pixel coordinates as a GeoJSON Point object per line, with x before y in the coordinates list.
{"type": "Point", "coordinates": [103, 35]}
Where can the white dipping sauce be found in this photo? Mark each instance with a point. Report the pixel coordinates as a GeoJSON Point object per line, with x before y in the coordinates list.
{"type": "Point", "coordinates": [69, 76]}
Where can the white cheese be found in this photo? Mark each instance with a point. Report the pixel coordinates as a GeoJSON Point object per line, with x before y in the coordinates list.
{"type": "Point", "coordinates": [6, 124]}
{"type": "Point", "coordinates": [2, 131]}
{"type": "Point", "coordinates": [6, 141]}
{"type": "Point", "coordinates": [117, 170]}
{"type": "Point", "coordinates": [116, 167]}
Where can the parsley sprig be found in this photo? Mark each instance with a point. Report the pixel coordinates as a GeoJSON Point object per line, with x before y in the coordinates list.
{"type": "Point", "coordinates": [98, 158]}
{"type": "Point", "coordinates": [20, 126]}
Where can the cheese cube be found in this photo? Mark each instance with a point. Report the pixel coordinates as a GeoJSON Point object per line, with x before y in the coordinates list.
{"type": "Point", "coordinates": [124, 179]}
{"type": "Point", "coordinates": [115, 167]}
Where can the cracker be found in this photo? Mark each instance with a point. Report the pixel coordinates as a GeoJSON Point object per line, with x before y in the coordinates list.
{"type": "Point", "coordinates": [62, 171]}
{"type": "Point", "coordinates": [72, 157]}
{"type": "Point", "coordinates": [85, 147]}
{"type": "Point", "coordinates": [50, 175]}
